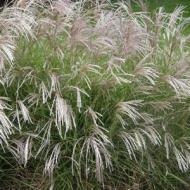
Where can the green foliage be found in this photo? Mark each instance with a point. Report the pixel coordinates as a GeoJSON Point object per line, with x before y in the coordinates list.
{"type": "Point", "coordinates": [94, 98]}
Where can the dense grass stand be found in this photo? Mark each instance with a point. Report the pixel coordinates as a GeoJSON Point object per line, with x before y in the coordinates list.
{"type": "Point", "coordinates": [94, 95]}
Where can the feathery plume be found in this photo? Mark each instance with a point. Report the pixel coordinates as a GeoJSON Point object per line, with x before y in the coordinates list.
{"type": "Point", "coordinates": [64, 115]}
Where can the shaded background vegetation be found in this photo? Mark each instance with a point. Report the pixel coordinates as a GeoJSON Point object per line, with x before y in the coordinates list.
{"type": "Point", "coordinates": [169, 5]}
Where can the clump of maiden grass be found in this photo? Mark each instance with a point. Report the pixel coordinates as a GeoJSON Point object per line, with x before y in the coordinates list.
{"type": "Point", "coordinates": [95, 94]}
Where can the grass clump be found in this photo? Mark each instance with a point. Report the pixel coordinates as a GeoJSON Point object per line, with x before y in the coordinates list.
{"type": "Point", "coordinates": [93, 96]}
